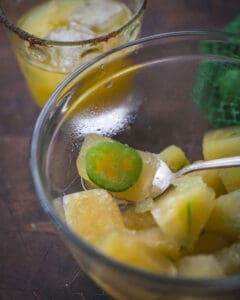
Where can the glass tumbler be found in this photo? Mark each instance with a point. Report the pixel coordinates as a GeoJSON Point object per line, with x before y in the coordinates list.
{"type": "Point", "coordinates": [46, 60]}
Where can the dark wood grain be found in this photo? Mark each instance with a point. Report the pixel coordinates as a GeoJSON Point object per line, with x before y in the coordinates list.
{"type": "Point", "coordinates": [34, 263]}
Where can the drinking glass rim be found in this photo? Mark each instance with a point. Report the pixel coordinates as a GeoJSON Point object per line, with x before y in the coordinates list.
{"type": "Point", "coordinates": [219, 285]}
{"type": "Point", "coordinates": [26, 36]}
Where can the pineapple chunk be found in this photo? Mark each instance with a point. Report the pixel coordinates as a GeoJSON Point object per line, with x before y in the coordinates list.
{"type": "Point", "coordinates": [221, 143]}
{"type": "Point", "coordinates": [212, 179]}
{"type": "Point", "coordinates": [58, 206]}
{"type": "Point", "coordinates": [142, 188]}
{"type": "Point", "coordinates": [182, 212]}
{"type": "Point", "coordinates": [158, 242]}
{"type": "Point", "coordinates": [224, 143]}
{"type": "Point", "coordinates": [229, 259]}
{"type": "Point", "coordinates": [200, 266]}
{"type": "Point", "coordinates": [149, 233]}
{"type": "Point", "coordinates": [123, 246]}
{"type": "Point", "coordinates": [209, 243]}
{"type": "Point", "coordinates": [230, 178]}
{"type": "Point", "coordinates": [92, 214]}
{"type": "Point", "coordinates": [144, 206]}
{"type": "Point", "coordinates": [174, 157]}
{"type": "Point", "coordinates": [225, 217]}
{"type": "Point", "coordinates": [137, 221]}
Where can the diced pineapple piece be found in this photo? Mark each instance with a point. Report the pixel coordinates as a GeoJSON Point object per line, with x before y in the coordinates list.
{"type": "Point", "coordinates": [199, 266]}
{"type": "Point", "coordinates": [212, 179]}
{"type": "Point", "coordinates": [230, 178]}
{"type": "Point", "coordinates": [144, 206]}
{"type": "Point", "coordinates": [92, 214]}
{"type": "Point", "coordinates": [225, 217]}
{"type": "Point", "coordinates": [158, 242]}
{"type": "Point", "coordinates": [142, 188]}
{"type": "Point", "coordinates": [182, 212]}
{"type": "Point", "coordinates": [58, 206]}
{"type": "Point", "coordinates": [224, 143]}
{"type": "Point", "coordinates": [149, 233]}
{"type": "Point", "coordinates": [123, 246]}
{"type": "Point", "coordinates": [209, 243]}
{"type": "Point", "coordinates": [229, 259]}
{"type": "Point", "coordinates": [174, 157]}
{"type": "Point", "coordinates": [221, 143]}
{"type": "Point", "coordinates": [137, 221]}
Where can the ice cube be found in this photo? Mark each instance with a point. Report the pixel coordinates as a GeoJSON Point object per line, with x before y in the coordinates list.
{"type": "Point", "coordinates": [67, 58]}
{"type": "Point", "coordinates": [102, 16]}
{"type": "Point", "coordinates": [74, 32]}
{"type": "Point", "coordinates": [91, 18]}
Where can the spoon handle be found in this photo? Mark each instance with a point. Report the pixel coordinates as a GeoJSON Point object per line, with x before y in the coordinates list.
{"type": "Point", "coordinates": [211, 164]}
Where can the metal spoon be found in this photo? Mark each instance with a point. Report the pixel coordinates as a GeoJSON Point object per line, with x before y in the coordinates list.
{"type": "Point", "coordinates": [164, 177]}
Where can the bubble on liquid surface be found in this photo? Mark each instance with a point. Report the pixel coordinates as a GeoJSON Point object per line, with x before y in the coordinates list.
{"type": "Point", "coordinates": [109, 84]}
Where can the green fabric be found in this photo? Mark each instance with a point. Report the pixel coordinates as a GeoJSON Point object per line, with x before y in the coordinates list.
{"type": "Point", "coordinates": [217, 90]}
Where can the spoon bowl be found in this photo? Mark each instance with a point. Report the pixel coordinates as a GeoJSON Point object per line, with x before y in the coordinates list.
{"type": "Point", "coordinates": [164, 177]}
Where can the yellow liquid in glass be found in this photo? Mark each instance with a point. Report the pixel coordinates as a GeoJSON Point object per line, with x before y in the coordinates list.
{"type": "Point", "coordinates": [55, 18]}
{"type": "Point", "coordinates": [41, 82]}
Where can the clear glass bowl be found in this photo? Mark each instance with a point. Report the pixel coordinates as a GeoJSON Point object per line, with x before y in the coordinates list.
{"type": "Point", "coordinates": [51, 61]}
{"type": "Point", "coordinates": [149, 93]}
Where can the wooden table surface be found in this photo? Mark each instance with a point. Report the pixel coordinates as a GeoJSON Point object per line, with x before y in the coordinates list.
{"type": "Point", "coordinates": [34, 264]}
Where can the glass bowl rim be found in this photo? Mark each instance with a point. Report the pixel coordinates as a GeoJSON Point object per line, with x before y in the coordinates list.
{"type": "Point", "coordinates": [222, 284]}
{"type": "Point", "coordinates": [24, 35]}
